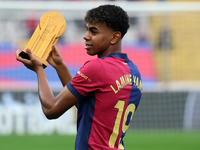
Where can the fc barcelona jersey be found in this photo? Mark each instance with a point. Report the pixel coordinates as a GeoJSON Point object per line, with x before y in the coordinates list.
{"type": "Point", "coordinates": [109, 90]}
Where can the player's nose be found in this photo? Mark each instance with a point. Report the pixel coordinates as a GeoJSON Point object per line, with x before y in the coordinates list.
{"type": "Point", "coordinates": [86, 36]}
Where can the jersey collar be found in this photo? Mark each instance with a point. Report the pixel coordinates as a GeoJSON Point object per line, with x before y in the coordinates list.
{"type": "Point", "coordinates": [118, 55]}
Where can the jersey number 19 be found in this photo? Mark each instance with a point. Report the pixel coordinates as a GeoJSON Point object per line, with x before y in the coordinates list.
{"type": "Point", "coordinates": [128, 115]}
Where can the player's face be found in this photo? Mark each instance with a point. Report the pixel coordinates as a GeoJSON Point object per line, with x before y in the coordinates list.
{"type": "Point", "coordinates": [97, 39]}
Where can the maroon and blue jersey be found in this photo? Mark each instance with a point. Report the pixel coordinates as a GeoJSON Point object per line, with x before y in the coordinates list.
{"type": "Point", "coordinates": [109, 90]}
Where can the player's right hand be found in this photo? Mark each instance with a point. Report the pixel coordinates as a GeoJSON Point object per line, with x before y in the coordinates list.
{"type": "Point", "coordinates": [32, 64]}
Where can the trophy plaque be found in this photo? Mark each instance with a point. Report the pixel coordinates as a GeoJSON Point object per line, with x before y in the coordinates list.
{"type": "Point", "coordinates": [51, 26]}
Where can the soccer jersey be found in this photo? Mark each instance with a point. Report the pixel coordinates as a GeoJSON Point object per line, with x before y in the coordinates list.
{"type": "Point", "coordinates": [109, 90]}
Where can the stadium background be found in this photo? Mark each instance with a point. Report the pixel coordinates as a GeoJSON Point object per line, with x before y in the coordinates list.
{"type": "Point", "coordinates": [163, 41]}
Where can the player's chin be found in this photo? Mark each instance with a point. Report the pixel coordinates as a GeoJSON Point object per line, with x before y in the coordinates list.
{"type": "Point", "coordinates": [91, 53]}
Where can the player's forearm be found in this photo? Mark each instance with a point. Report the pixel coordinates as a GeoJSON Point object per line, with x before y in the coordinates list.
{"type": "Point", "coordinates": [64, 74]}
{"type": "Point", "coordinates": [45, 94]}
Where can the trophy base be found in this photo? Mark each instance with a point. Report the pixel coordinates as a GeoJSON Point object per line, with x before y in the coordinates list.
{"type": "Point", "coordinates": [25, 56]}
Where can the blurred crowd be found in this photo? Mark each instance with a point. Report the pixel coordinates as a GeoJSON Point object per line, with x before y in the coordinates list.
{"type": "Point", "coordinates": [16, 30]}
{"type": "Point", "coordinates": [73, 0]}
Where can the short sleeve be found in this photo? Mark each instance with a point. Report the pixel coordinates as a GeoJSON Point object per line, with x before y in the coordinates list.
{"type": "Point", "coordinates": [89, 78]}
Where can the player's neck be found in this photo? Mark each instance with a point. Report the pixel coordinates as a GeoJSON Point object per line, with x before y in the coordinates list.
{"type": "Point", "coordinates": [116, 48]}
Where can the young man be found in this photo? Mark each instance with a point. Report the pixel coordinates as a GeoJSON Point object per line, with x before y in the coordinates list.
{"type": "Point", "coordinates": [106, 90]}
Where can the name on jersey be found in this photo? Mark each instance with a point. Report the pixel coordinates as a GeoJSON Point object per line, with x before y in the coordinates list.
{"type": "Point", "coordinates": [84, 76]}
{"type": "Point", "coordinates": [127, 80]}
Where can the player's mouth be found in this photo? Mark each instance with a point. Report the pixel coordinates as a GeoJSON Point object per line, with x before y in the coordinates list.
{"type": "Point", "coordinates": [88, 46]}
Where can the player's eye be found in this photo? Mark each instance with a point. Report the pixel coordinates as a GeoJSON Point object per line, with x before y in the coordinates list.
{"type": "Point", "coordinates": [93, 32]}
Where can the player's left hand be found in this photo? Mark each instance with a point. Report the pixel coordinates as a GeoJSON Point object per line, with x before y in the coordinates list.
{"type": "Point", "coordinates": [55, 58]}
{"type": "Point", "coordinates": [32, 64]}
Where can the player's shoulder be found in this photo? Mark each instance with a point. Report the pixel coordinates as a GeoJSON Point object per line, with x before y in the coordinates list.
{"type": "Point", "coordinates": [92, 66]}
{"type": "Point", "coordinates": [96, 62]}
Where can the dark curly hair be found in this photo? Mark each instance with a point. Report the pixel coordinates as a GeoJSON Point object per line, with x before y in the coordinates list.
{"type": "Point", "coordinates": [113, 16]}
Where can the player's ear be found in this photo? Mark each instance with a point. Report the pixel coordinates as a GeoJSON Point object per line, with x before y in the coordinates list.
{"type": "Point", "coordinates": [116, 37]}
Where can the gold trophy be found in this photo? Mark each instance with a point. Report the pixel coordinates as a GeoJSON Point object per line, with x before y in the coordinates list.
{"type": "Point", "coordinates": [51, 26]}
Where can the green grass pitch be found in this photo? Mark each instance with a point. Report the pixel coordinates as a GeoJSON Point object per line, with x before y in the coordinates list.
{"type": "Point", "coordinates": [134, 140]}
